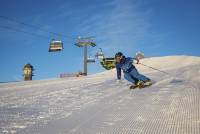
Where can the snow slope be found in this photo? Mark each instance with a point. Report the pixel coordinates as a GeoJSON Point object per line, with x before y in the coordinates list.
{"type": "Point", "coordinates": [99, 104]}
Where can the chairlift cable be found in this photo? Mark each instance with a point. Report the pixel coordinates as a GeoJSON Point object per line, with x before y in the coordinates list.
{"type": "Point", "coordinates": [37, 27]}
{"type": "Point", "coordinates": [25, 32]}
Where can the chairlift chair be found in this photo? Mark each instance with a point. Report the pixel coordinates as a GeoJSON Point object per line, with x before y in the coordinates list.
{"type": "Point", "coordinates": [99, 55]}
{"type": "Point", "coordinates": [139, 55]}
{"type": "Point", "coordinates": [55, 46]}
{"type": "Point", "coordinates": [108, 63]}
{"type": "Point", "coordinates": [90, 60]}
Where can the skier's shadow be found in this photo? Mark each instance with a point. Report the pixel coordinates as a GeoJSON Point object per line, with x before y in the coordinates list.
{"type": "Point", "coordinates": [176, 81]}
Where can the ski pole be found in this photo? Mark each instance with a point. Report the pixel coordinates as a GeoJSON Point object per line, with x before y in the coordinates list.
{"type": "Point", "coordinates": [155, 69]}
{"type": "Point", "coordinates": [176, 79]}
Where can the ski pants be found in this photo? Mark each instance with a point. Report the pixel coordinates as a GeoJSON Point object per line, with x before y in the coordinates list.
{"type": "Point", "coordinates": [133, 76]}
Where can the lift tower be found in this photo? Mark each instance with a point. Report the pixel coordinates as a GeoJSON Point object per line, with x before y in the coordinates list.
{"type": "Point", "coordinates": [85, 42]}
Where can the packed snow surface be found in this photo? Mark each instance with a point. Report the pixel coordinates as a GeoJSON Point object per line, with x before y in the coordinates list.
{"type": "Point", "coordinates": [99, 104]}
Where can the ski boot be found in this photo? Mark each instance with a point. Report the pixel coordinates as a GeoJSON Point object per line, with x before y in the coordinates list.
{"type": "Point", "coordinates": [140, 84]}
{"type": "Point", "coordinates": [148, 83]}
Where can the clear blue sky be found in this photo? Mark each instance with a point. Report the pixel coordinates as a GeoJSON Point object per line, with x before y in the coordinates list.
{"type": "Point", "coordinates": [155, 27]}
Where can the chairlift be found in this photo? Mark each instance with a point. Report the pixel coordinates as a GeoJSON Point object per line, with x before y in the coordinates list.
{"type": "Point", "coordinates": [139, 55]}
{"type": "Point", "coordinates": [99, 55]}
{"type": "Point", "coordinates": [108, 63]}
{"type": "Point", "coordinates": [90, 60]}
{"type": "Point", "coordinates": [55, 45]}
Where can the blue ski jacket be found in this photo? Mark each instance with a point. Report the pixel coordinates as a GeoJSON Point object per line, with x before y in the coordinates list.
{"type": "Point", "coordinates": [126, 65]}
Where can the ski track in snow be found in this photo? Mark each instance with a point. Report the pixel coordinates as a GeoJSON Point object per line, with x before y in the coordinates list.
{"type": "Point", "coordinates": [98, 104]}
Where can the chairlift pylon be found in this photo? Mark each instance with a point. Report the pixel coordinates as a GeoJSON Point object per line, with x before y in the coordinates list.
{"type": "Point", "coordinates": [88, 41]}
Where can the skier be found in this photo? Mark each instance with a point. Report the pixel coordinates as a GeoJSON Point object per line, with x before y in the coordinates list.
{"type": "Point", "coordinates": [130, 72]}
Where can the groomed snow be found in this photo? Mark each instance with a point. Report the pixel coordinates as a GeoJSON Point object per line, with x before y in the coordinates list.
{"type": "Point", "coordinates": [98, 104]}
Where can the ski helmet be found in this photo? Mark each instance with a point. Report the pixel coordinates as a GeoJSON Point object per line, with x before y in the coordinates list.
{"type": "Point", "coordinates": [118, 54]}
